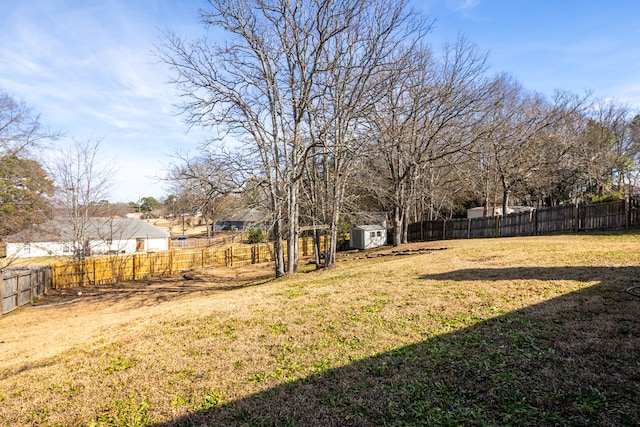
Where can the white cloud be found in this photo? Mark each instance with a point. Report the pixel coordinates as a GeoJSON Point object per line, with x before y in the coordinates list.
{"type": "Point", "coordinates": [87, 67]}
{"type": "Point", "coordinates": [463, 5]}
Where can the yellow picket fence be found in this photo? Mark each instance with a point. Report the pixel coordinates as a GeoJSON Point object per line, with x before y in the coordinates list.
{"type": "Point", "coordinates": [109, 270]}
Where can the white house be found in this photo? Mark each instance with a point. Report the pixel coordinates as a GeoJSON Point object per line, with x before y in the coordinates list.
{"type": "Point", "coordinates": [478, 212]}
{"type": "Point", "coordinates": [368, 236]}
{"type": "Point", "coordinates": [104, 236]}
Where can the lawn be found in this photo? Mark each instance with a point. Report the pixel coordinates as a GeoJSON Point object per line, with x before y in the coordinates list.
{"type": "Point", "coordinates": [518, 331]}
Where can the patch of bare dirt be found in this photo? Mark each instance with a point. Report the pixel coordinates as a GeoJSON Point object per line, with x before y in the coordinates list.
{"type": "Point", "coordinates": [70, 317]}
{"type": "Point", "coordinates": [385, 251]}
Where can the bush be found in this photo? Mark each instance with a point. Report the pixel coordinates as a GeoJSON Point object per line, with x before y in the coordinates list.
{"type": "Point", "coordinates": [608, 197]}
{"type": "Point", "coordinates": [256, 235]}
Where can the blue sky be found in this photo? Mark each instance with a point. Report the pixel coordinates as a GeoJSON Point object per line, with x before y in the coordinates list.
{"type": "Point", "coordinates": [87, 66]}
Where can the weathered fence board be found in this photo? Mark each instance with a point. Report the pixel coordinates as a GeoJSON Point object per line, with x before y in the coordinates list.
{"type": "Point", "coordinates": [456, 229]}
{"type": "Point", "coordinates": [616, 215]}
{"type": "Point", "coordinates": [603, 216]}
{"type": "Point", "coordinates": [426, 230]}
{"type": "Point", "coordinates": [556, 219]}
{"type": "Point", "coordinates": [633, 212]}
{"type": "Point", "coordinates": [482, 227]}
{"type": "Point", "coordinates": [519, 224]}
{"type": "Point", "coordinates": [21, 286]}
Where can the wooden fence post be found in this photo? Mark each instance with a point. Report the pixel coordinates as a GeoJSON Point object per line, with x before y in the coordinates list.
{"type": "Point", "coordinates": [626, 213]}
{"type": "Point", "coordinates": [32, 281]}
{"type": "Point", "coordinates": [133, 267]}
{"type": "Point", "coordinates": [229, 257]}
{"type": "Point", "coordinates": [1, 289]}
{"type": "Point", "coordinates": [18, 293]}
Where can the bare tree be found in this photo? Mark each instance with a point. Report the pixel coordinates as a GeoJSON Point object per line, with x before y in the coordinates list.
{"type": "Point", "coordinates": [280, 59]}
{"type": "Point", "coordinates": [430, 112]}
{"type": "Point", "coordinates": [255, 88]}
{"type": "Point", "coordinates": [203, 183]}
{"type": "Point", "coordinates": [634, 138]}
{"type": "Point", "coordinates": [608, 150]}
{"type": "Point", "coordinates": [83, 180]}
{"type": "Point", "coordinates": [20, 127]}
{"type": "Point", "coordinates": [358, 64]}
{"type": "Point", "coordinates": [522, 139]}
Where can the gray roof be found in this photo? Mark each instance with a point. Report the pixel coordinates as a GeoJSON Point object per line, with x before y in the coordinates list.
{"type": "Point", "coordinates": [369, 217]}
{"type": "Point", "coordinates": [244, 215]}
{"type": "Point", "coordinates": [97, 228]}
{"type": "Point", "coordinates": [370, 227]}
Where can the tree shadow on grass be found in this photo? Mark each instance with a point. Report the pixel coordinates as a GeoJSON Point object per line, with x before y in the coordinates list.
{"type": "Point", "coordinates": [571, 360]}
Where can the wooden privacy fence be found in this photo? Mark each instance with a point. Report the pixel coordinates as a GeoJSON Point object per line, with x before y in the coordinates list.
{"type": "Point", "coordinates": [616, 215]}
{"type": "Point", "coordinates": [21, 286]}
{"type": "Point", "coordinates": [121, 268]}
{"type": "Point", "coordinates": [204, 242]}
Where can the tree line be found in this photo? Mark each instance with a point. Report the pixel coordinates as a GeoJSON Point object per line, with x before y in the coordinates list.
{"type": "Point", "coordinates": [320, 109]}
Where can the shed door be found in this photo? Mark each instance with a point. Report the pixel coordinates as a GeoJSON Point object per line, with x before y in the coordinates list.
{"type": "Point", "coordinates": [357, 237]}
{"type": "Point", "coordinates": [140, 244]}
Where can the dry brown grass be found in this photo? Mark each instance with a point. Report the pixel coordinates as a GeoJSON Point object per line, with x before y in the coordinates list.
{"type": "Point", "coordinates": [523, 331]}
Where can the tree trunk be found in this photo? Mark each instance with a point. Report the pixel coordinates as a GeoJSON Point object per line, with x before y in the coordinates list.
{"type": "Point", "coordinates": [405, 230]}
{"type": "Point", "coordinates": [398, 226]}
{"type": "Point", "coordinates": [293, 232]}
{"type": "Point", "coordinates": [505, 196]}
{"type": "Point", "coordinates": [278, 255]}
{"type": "Point", "coordinates": [278, 249]}
{"type": "Point", "coordinates": [333, 235]}
{"type": "Point", "coordinates": [317, 246]}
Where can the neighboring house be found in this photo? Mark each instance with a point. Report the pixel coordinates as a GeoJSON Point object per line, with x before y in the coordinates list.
{"type": "Point", "coordinates": [368, 236]}
{"type": "Point", "coordinates": [104, 236]}
{"type": "Point", "coordinates": [478, 212]}
{"type": "Point", "coordinates": [241, 219]}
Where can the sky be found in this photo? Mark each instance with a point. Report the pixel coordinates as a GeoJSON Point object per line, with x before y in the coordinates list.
{"type": "Point", "coordinates": [87, 67]}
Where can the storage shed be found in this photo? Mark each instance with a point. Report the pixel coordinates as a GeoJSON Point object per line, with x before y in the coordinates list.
{"type": "Point", "coordinates": [368, 236]}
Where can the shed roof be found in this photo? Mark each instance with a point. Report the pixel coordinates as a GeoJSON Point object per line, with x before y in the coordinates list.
{"type": "Point", "coordinates": [369, 217]}
{"type": "Point", "coordinates": [370, 227]}
{"type": "Point", "coordinates": [244, 215]}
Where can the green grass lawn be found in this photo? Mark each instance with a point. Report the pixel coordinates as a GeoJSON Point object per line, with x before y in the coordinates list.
{"type": "Point", "coordinates": [520, 331]}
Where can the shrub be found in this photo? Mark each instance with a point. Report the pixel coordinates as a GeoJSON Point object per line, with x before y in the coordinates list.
{"type": "Point", "coordinates": [608, 197]}
{"type": "Point", "coordinates": [256, 235]}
